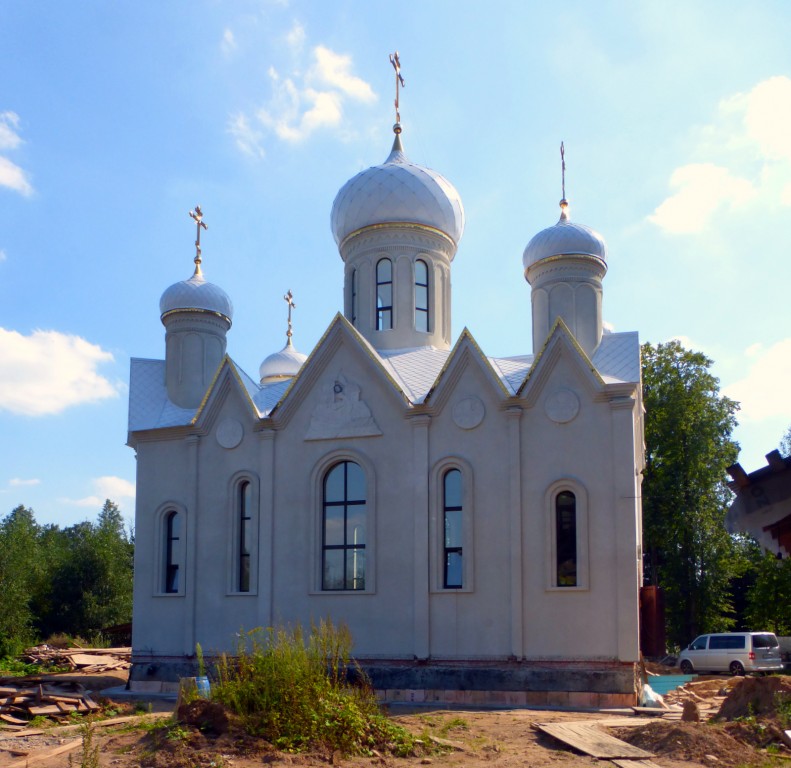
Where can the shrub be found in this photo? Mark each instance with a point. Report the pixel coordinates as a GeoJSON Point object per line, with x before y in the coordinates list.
{"type": "Point", "coordinates": [295, 691]}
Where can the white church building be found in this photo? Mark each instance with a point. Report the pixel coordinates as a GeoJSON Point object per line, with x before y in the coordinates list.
{"type": "Point", "coordinates": [475, 521]}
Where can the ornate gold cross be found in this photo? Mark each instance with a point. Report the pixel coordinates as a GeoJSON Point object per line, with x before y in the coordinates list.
{"type": "Point", "coordinates": [395, 61]}
{"type": "Point", "coordinates": [289, 299]}
{"type": "Point", "coordinates": [563, 169]}
{"type": "Point", "coordinates": [197, 215]}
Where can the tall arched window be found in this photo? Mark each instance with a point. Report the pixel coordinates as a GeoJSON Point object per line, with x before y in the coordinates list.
{"type": "Point", "coordinates": [172, 537]}
{"type": "Point", "coordinates": [384, 295]}
{"type": "Point", "coordinates": [421, 296]}
{"type": "Point", "coordinates": [566, 539]}
{"type": "Point", "coordinates": [452, 507]}
{"type": "Point", "coordinates": [244, 510]}
{"type": "Point", "coordinates": [343, 528]}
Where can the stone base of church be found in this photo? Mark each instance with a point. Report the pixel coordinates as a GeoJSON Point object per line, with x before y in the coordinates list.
{"type": "Point", "coordinates": [561, 684]}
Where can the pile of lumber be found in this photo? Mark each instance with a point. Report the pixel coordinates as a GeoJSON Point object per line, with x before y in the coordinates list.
{"type": "Point", "coordinates": [81, 659]}
{"type": "Point", "coordinates": [21, 702]}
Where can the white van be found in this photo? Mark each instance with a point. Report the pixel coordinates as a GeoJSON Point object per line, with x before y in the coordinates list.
{"type": "Point", "coordinates": [734, 652]}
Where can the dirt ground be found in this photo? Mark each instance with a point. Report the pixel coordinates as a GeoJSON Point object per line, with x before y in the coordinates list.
{"type": "Point", "coordinates": [469, 738]}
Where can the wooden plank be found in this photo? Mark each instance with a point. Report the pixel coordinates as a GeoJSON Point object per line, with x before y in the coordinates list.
{"type": "Point", "coordinates": [591, 741]}
{"type": "Point", "coordinates": [40, 757]}
{"type": "Point", "coordinates": [49, 709]}
{"type": "Point", "coordinates": [24, 732]}
{"type": "Point", "coordinates": [13, 720]}
{"type": "Point", "coordinates": [635, 763]}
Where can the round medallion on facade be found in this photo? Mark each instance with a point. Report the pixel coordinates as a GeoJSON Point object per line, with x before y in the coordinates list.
{"type": "Point", "coordinates": [468, 413]}
{"type": "Point", "coordinates": [562, 406]}
{"type": "Point", "coordinates": [229, 433]}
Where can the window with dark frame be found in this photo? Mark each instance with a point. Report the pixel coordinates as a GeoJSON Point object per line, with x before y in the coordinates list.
{"type": "Point", "coordinates": [244, 491]}
{"type": "Point", "coordinates": [384, 295]}
{"type": "Point", "coordinates": [421, 296]}
{"type": "Point", "coordinates": [566, 539]}
{"type": "Point", "coordinates": [452, 512]}
{"type": "Point", "coordinates": [344, 512]}
{"type": "Point", "coordinates": [172, 532]}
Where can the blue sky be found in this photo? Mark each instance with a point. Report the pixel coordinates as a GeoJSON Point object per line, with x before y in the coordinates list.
{"type": "Point", "coordinates": [118, 118]}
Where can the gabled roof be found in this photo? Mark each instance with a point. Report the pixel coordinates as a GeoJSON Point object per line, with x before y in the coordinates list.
{"type": "Point", "coordinates": [414, 374]}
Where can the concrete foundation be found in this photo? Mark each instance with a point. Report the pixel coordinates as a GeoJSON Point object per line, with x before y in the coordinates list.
{"type": "Point", "coordinates": [573, 685]}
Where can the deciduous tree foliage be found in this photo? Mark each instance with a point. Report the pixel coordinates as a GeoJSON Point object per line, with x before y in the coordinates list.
{"type": "Point", "coordinates": [785, 443]}
{"type": "Point", "coordinates": [688, 427]}
{"type": "Point", "coordinates": [75, 580]}
{"type": "Point", "coordinates": [768, 603]}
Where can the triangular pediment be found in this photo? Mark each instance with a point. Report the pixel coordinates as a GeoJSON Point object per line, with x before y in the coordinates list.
{"type": "Point", "coordinates": [228, 382]}
{"type": "Point", "coordinates": [465, 353]}
{"type": "Point", "coordinates": [350, 419]}
{"type": "Point", "coordinates": [559, 346]}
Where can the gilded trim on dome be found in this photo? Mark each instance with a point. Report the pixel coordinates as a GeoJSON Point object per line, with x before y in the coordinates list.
{"type": "Point", "coordinates": [405, 224]}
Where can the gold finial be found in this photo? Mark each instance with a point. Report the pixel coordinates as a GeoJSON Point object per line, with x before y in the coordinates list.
{"type": "Point", "coordinates": [564, 204]}
{"type": "Point", "coordinates": [289, 299]}
{"type": "Point", "coordinates": [396, 62]}
{"type": "Point", "coordinates": [197, 215]}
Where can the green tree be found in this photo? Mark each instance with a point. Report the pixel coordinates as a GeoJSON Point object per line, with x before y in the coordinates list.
{"type": "Point", "coordinates": [92, 577]}
{"type": "Point", "coordinates": [688, 427]}
{"type": "Point", "coordinates": [20, 565]}
{"type": "Point", "coordinates": [768, 606]}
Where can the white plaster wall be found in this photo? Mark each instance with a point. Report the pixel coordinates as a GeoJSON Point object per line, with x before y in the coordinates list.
{"type": "Point", "coordinates": [510, 609]}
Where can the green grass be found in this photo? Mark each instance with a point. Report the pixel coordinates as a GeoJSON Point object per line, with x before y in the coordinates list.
{"type": "Point", "coordinates": [292, 690]}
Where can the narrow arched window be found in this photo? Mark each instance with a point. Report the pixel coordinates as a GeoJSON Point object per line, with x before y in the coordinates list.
{"type": "Point", "coordinates": [566, 539]}
{"type": "Point", "coordinates": [244, 511]}
{"type": "Point", "coordinates": [172, 537]}
{"type": "Point", "coordinates": [421, 296]}
{"type": "Point", "coordinates": [384, 295]}
{"type": "Point", "coordinates": [354, 298]}
{"type": "Point", "coordinates": [343, 528]}
{"type": "Point", "coordinates": [453, 509]}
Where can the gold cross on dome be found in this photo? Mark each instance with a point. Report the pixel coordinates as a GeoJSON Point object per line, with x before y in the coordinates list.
{"type": "Point", "coordinates": [289, 299]}
{"type": "Point", "coordinates": [197, 215]}
{"type": "Point", "coordinates": [563, 170]}
{"type": "Point", "coordinates": [396, 62]}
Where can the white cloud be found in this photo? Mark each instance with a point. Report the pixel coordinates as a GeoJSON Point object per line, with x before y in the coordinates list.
{"type": "Point", "coordinates": [247, 138]}
{"type": "Point", "coordinates": [763, 391]}
{"type": "Point", "coordinates": [47, 372]}
{"type": "Point", "coordinates": [228, 44]}
{"type": "Point", "coordinates": [333, 69]}
{"type": "Point", "coordinates": [107, 487]}
{"type": "Point", "coordinates": [303, 102]}
{"type": "Point", "coordinates": [767, 117]}
{"type": "Point", "coordinates": [295, 37]}
{"type": "Point", "coordinates": [9, 138]}
{"type": "Point", "coordinates": [18, 482]}
{"type": "Point", "coordinates": [702, 190]}
{"type": "Point", "coordinates": [751, 139]}
{"type": "Point", "coordinates": [3, 256]}
{"type": "Point", "coordinates": [13, 177]}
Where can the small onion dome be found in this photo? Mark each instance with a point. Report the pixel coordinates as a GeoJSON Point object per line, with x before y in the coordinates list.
{"type": "Point", "coordinates": [564, 239]}
{"type": "Point", "coordinates": [398, 191]}
{"type": "Point", "coordinates": [196, 294]}
{"type": "Point", "coordinates": [281, 365]}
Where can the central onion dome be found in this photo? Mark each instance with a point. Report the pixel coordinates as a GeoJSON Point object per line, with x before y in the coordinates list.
{"type": "Point", "coordinates": [397, 192]}
{"type": "Point", "coordinates": [196, 294]}
{"type": "Point", "coordinates": [564, 239]}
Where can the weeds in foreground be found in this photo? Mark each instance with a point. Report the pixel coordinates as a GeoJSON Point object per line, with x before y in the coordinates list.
{"type": "Point", "coordinates": [296, 692]}
{"type": "Point", "coordinates": [783, 708]}
{"type": "Point", "coordinates": [90, 750]}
